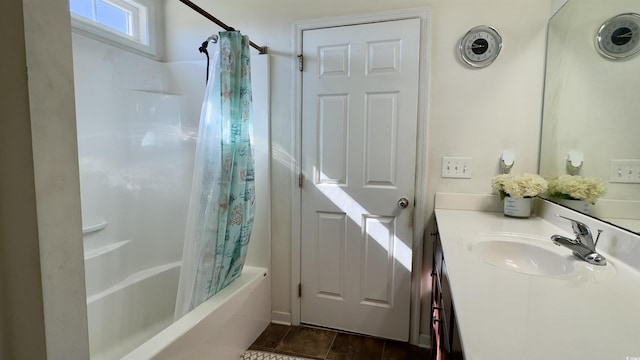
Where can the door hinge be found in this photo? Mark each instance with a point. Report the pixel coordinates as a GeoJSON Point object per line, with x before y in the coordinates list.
{"type": "Point", "coordinates": [300, 180]}
{"type": "Point", "coordinates": [300, 62]}
{"type": "Point", "coordinates": [300, 290]}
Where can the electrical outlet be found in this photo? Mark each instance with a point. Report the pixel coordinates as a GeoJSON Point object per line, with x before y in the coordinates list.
{"type": "Point", "coordinates": [625, 171]}
{"type": "Point", "coordinates": [456, 167]}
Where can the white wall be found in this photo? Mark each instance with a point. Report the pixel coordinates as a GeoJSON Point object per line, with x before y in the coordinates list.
{"type": "Point", "coordinates": [22, 333]}
{"type": "Point", "coordinates": [44, 308]}
{"type": "Point", "coordinates": [477, 113]}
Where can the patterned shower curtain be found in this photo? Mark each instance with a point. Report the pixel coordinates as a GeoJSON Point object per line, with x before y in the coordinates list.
{"type": "Point", "coordinates": [222, 202]}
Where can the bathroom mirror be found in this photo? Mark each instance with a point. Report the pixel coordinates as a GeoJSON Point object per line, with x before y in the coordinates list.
{"type": "Point", "coordinates": [592, 108]}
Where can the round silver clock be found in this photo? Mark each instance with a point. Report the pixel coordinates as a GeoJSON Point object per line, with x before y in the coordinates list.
{"type": "Point", "coordinates": [480, 46]}
{"type": "Point", "coordinates": [619, 36]}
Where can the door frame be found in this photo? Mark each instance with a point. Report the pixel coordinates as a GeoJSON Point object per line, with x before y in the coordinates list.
{"type": "Point", "coordinates": [419, 223]}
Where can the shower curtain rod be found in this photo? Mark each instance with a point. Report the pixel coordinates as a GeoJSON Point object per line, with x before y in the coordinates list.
{"type": "Point", "coordinates": [201, 11]}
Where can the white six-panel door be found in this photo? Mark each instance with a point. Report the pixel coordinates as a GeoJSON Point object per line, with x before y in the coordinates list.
{"type": "Point", "coordinates": [359, 118]}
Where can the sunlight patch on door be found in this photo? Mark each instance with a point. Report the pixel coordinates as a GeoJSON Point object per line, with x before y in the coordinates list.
{"type": "Point", "coordinates": [400, 251]}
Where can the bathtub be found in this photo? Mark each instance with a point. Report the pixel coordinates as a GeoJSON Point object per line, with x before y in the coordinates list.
{"type": "Point", "coordinates": [131, 311]}
{"type": "Point", "coordinates": [131, 315]}
{"type": "Point", "coordinates": [221, 328]}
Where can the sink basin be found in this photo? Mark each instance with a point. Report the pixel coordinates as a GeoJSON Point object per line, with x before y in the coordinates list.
{"type": "Point", "coordinates": [527, 254]}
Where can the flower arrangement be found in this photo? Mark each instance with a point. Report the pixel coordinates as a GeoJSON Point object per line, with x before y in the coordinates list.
{"type": "Point", "coordinates": [519, 186]}
{"type": "Point", "coordinates": [575, 187]}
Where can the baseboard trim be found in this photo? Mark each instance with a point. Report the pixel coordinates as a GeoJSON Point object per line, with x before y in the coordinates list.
{"type": "Point", "coordinates": [281, 317]}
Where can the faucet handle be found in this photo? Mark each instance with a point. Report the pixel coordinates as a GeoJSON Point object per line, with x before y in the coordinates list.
{"type": "Point", "coordinates": [579, 229]}
{"type": "Point", "coordinates": [597, 238]}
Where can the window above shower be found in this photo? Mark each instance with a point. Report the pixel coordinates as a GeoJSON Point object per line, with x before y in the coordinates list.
{"type": "Point", "coordinates": [128, 24]}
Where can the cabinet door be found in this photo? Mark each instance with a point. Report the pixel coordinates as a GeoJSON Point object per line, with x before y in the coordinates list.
{"type": "Point", "coordinates": [445, 290]}
{"type": "Point", "coordinates": [444, 334]}
{"type": "Point", "coordinates": [456, 346]}
{"type": "Point", "coordinates": [440, 329]}
{"type": "Point", "coordinates": [437, 255]}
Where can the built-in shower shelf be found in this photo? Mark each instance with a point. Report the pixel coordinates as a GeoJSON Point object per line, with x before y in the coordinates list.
{"type": "Point", "coordinates": [90, 254]}
{"type": "Point", "coordinates": [94, 228]}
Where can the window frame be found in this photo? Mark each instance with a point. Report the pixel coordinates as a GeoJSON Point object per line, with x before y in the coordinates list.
{"type": "Point", "coordinates": [143, 23]}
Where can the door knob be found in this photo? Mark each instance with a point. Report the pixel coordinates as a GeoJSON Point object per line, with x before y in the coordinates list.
{"type": "Point", "coordinates": [403, 203]}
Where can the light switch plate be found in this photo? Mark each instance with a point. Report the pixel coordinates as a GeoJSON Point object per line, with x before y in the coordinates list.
{"type": "Point", "coordinates": [625, 171]}
{"type": "Point", "coordinates": [456, 167]}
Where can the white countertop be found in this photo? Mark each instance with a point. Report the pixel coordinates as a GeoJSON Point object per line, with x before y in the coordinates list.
{"type": "Point", "coordinates": [503, 314]}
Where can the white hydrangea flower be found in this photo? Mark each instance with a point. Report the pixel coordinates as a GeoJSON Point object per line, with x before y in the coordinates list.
{"type": "Point", "coordinates": [519, 186]}
{"type": "Point", "coordinates": [575, 187]}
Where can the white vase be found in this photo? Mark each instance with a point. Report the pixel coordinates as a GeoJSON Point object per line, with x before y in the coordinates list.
{"type": "Point", "coordinates": [520, 208]}
{"type": "Point", "coordinates": [578, 205]}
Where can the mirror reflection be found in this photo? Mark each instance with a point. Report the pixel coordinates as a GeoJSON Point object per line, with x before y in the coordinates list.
{"type": "Point", "coordinates": [591, 115]}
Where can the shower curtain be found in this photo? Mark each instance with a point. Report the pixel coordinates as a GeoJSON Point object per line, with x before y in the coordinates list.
{"type": "Point", "coordinates": [222, 201]}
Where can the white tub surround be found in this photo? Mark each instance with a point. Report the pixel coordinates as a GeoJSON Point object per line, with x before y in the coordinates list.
{"type": "Point", "coordinates": [221, 328]}
{"type": "Point", "coordinates": [502, 314]}
{"type": "Point", "coordinates": [132, 311]}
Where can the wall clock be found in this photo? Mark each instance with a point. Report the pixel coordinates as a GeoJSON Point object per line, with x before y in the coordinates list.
{"type": "Point", "coordinates": [619, 36]}
{"type": "Point", "coordinates": [480, 46]}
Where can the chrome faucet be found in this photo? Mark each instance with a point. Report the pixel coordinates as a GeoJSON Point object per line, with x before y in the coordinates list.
{"type": "Point", "coordinates": [583, 246]}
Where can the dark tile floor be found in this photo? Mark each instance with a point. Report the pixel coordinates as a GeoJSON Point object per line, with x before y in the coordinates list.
{"type": "Point", "coordinates": [325, 344]}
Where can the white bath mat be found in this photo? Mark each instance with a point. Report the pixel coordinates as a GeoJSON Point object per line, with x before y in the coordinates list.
{"type": "Point", "coordinates": [261, 355]}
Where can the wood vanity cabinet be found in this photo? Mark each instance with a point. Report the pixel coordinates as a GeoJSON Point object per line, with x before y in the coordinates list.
{"type": "Point", "coordinates": [445, 341]}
